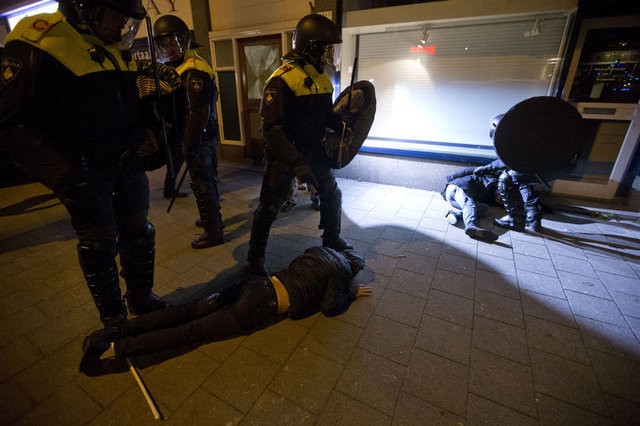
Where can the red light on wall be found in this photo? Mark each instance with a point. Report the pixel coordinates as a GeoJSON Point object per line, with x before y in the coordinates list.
{"type": "Point", "coordinates": [429, 50]}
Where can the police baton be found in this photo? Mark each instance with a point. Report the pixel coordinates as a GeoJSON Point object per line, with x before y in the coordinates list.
{"type": "Point", "coordinates": [156, 76]}
{"type": "Point", "coordinates": [175, 193]}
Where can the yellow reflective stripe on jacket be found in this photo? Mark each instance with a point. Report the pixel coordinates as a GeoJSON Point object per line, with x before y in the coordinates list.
{"type": "Point", "coordinates": [296, 76]}
{"type": "Point", "coordinates": [51, 33]}
{"type": "Point", "coordinates": [194, 62]}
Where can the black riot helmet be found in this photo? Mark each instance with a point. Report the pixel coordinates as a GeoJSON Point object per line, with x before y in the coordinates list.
{"type": "Point", "coordinates": [314, 39]}
{"type": "Point", "coordinates": [112, 21]}
{"type": "Point", "coordinates": [494, 125]}
{"type": "Point", "coordinates": [171, 36]}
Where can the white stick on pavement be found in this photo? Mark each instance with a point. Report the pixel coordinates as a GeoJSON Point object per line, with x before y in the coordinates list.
{"type": "Point", "coordinates": [154, 408]}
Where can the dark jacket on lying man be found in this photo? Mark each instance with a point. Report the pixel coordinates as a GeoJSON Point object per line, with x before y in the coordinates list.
{"type": "Point", "coordinates": [320, 280]}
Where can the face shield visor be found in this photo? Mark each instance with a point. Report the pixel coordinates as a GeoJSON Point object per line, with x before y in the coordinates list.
{"type": "Point", "coordinates": [172, 47]}
{"type": "Point", "coordinates": [332, 57]}
{"type": "Point", "coordinates": [113, 27]}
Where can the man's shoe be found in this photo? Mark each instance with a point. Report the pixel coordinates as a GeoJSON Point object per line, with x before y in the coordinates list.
{"type": "Point", "coordinates": [208, 239]}
{"type": "Point", "coordinates": [480, 234]}
{"type": "Point", "coordinates": [93, 347]}
{"type": "Point", "coordinates": [139, 305]}
{"type": "Point", "coordinates": [508, 223]}
{"type": "Point", "coordinates": [338, 244]}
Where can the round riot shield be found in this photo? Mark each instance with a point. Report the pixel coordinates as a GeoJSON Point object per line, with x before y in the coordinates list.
{"type": "Point", "coordinates": [342, 144]}
{"type": "Point", "coordinates": [540, 134]}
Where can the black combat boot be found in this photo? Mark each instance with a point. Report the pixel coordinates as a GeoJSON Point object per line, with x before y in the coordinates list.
{"type": "Point", "coordinates": [101, 274]}
{"type": "Point", "coordinates": [211, 220]}
{"type": "Point", "coordinates": [137, 262]}
{"type": "Point", "coordinates": [533, 219]}
{"type": "Point", "coordinates": [263, 218]}
{"type": "Point", "coordinates": [513, 204]}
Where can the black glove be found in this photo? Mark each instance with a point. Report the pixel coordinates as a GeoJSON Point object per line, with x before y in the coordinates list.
{"type": "Point", "coordinates": [303, 171]}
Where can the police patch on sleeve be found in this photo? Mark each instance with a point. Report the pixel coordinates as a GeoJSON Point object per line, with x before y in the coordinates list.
{"type": "Point", "coordinates": [10, 69]}
{"type": "Point", "coordinates": [269, 95]}
{"type": "Point", "coordinates": [196, 84]}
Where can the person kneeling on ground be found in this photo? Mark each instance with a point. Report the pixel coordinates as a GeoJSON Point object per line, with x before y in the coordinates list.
{"type": "Point", "coordinates": [320, 280]}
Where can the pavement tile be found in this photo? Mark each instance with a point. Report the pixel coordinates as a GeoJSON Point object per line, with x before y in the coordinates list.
{"type": "Point", "coordinates": [401, 307]}
{"type": "Point", "coordinates": [332, 339]}
{"type": "Point", "coordinates": [556, 412]}
{"type": "Point", "coordinates": [595, 308]}
{"type": "Point", "coordinates": [623, 412]}
{"type": "Point", "coordinates": [556, 339]}
{"type": "Point", "coordinates": [344, 410]}
{"type": "Point", "coordinates": [381, 264]}
{"type": "Point", "coordinates": [571, 264]}
{"type": "Point", "coordinates": [307, 379]}
{"type": "Point", "coordinates": [272, 408]}
{"type": "Point", "coordinates": [525, 262]}
{"type": "Point", "coordinates": [582, 284]}
{"type": "Point", "coordinates": [411, 283]}
{"type": "Point", "coordinates": [288, 334]}
{"type": "Point", "coordinates": [612, 266]}
{"type": "Point", "coordinates": [388, 338]}
{"type": "Point", "coordinates": [444, 338]}
{"type": "Point", "coordinates": [502, 381]}
{"type": "Point", "coordinates": [373, 380]}
{"type": "Point", "coordinates": [498, 265]}
{"type": "Point", "coordinates": [547, 307]}
{"type": "Point", "coordinates": [621, 284]}
{"type": "Point", "coordinates": [628, 304]}
{"type": "Point", "coordinates": [438, 380]}
{"type": "Point", "coordinates": [567, 380]}
{"type": "Point", "coordinates": [537, 283]}
{"type": "Point", "coordinates": [464, 265]}
{"type": "Point", "coordinates": [496, 283]}
{"type": "Point", "coordinates": [416, 263]}
{"type": "Point", "coordinates": [16, 356]}
{"type": "Point", "coordinates": [536, 248]}
{"type": "Point", "coordinates": [609, 338]}
{"type": "Point", "coordinates": [617, 376]}
{"type": "Point", "coordinates": [202, 409]}
{"type": "Point", "coordinates": [413, 411]}
{"type": "Point", "coordinates": [501, 339]}
{"type": "Point", "coordinates": [500, 308]}
{"type": "Point", "coordinates": [450, 307]}
{"type": "Point", "coordinates": [242, 378]}
{"type": "Point", "coordinates": [454, 283]}
{"type": "Point", "coordinates": [481, 411]}
{"type": "Point", "coordinates": [14, 402]}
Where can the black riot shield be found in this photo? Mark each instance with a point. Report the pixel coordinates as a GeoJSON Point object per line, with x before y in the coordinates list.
{"type": "Point", "coordinates": [540, 135]}
{"type": "Point", "coordinates": [341, 145]}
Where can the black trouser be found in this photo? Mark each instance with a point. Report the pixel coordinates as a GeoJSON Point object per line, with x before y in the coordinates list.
{"type": "Point", "coordinates": [203, 169]}
{"type": "Point", "coordinates": [169, 332]}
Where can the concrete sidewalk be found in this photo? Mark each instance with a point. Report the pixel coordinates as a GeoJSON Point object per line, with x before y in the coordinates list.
{"type": "Point", "coordinates": [532, 329]}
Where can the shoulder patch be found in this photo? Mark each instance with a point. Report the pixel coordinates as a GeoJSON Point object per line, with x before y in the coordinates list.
{"type": "Point", "coordinates": [37, 29]}
{"type": "Point", "coordinates": [269, 95]}
{"type": "Point", "coordinates": [10, 68]}
{"type": "Point", "coordinates": [286, 67]}
{"type": "Point", "coordinates": [196, 84]}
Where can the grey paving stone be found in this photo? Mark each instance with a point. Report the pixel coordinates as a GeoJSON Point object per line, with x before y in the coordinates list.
{"type": "Point", "coordinates": [556, 339]}
{"type": "Point", "coordinates": [564, 246]}
{"type": "Point", "coordinates": [612, 266]}
{"type": "Point", "coordinates": [609, 338]}
{"type": "Point", "coordinates": [547, 307]}
{"type": "Point", "coordinates": [556, 412]}
{"type": "Point", "coordinates": [496, 250]}
{"type": "Point", "coordinates": [464, 265]}
{"type": "Point", "coordinates": [529, 263]}
{"type": "Point", "coordinates": [438, 380]}
{"type": "Point", "coordinates": [536, 248]}
{"type": "Point", "coordinates": [497, 283]}
{"type": "Point", "coordinates": [481, 411]}
{"type": "Point", "coordinates": [595, 308]}
{"type": "Point", "coordinates": [570, 264]}
{"type": "Point", "coordinates": [332, 339]}
{"type": "Point", "coordinates": [623, 412]}
{"type": "Point", "coordinates": [287, 333]}
{"type": "Point", "coordinates": [61, 331]}
{"type": "Point", "coordinates": [568, 381]}
{"type": "Point", "coordinates": [381, 264]}
{"type": "Point", "coordinates": [242, 378]}
{"type": "Point", "coordinates": [416, 263]}
{"type": "Point", "coordinates": [272, 408]}
{"type": "Point", "coordinates": [503, 381]}
{"type": "Point", "coordinates": [628, 304]}
{"type": "Point", "coordinates": [582, 284]}
{"type": "Point", "coordinates": [388, 338]}
{"type": "Point", "coordinates": [450, 307]}
{"type": "Point", "coordinates": [372, 380]}
{"type": "Point", "coordinates": [424, 246]}
{"type": "Point", "coordinates": [634, 323]}
{"type": "Point", "coordinates": [15, 402]}
{"type": "Point", "coordinates": [617, 376]}
{"type": "Point", "coordinates": [342, 410]}
{"type": "Point", "coordinates": [537, 283]}
{"type": "Point", "coordinates": [21, 323]}
{"type": "Point", "coordinates": [498, 307]}
{"type": "Point", "coordinates": [401, 307]}
{"type": "Point", "coordinates": [496, 264]}
{"type": "Point", "coordinates": [387, 247]}
{"type": "Point", "coordinates": [444, 338]}
{"type": "Point", "coordinates": [454, 283]}
{"type": "Point", "coordinates": [501, 339]}
{"type": "Point", "coordinates": [201, 409]}
{"type": "Point", "coordinates": [620, 284]}
{"type": "Point", "coordinates": [411, 410]}
{"type": "Point", "coordinates": [411, 283]}
{"type": "Point", "coordinates": [16, 356]}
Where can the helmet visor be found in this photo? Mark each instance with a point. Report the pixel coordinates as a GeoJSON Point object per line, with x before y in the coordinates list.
{"type": "Point", "coordinates": [113, 27]}
{"type": "Point", "coordinates": [171, 47]}
{"type": "Point", "coordinates": [332, 57]}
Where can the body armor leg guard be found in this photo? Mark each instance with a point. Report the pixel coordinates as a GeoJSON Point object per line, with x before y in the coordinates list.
{"type": "Point", "coordinates": [101, 274]}
{"type": "Point", "coordinates": [137, 260]}
{"type": "Point", "coordinates": [263, 218]}
{"type": "Point", "coordinates": [331, 212]}
{"type": "Point", "coordinates": [211, 219]}
{"type": "Point", "coordinates": [513, 205]}
{"type": "Point", "coordinates": [533, 218]}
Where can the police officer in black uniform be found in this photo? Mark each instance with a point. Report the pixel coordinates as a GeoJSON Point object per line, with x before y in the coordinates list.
{"type": "Point", "coordinates": [296, 109]}
{"type": "Point", "coordinates": [69, 115]}
{"type": "Point", "coordinates": [194, 122]}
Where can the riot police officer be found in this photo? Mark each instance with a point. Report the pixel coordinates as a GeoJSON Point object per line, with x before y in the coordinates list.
{"type": "Point", "coordinates": [70, 115]}
{"type": "Point", "coordinates": [296, 108]}
{"type": "Point", "coordinates": [196, 120]}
